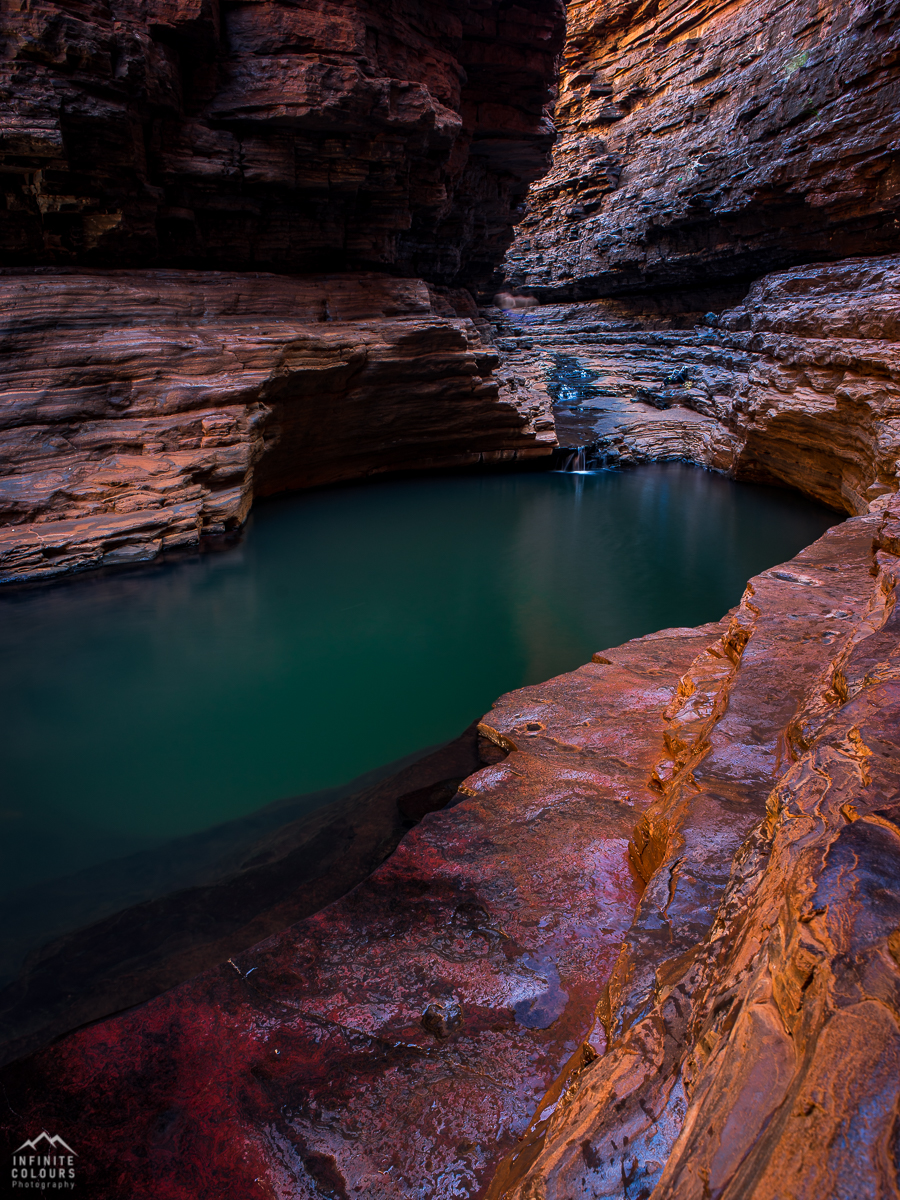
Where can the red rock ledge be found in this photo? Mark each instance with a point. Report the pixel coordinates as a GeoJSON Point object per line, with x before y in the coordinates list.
{"type": "Point", "coordinates": [143, 410]}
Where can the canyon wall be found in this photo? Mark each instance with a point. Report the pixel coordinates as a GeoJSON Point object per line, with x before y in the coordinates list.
{"type": "Point", "coordinates": [142, 411]}
{"type": "Point", "coordinates": [715, 252]}
{"type": "Point", "coordinates": [703, 142]}
{"type": "Point", "coordinates": [302, 136]}
{"type": "Point", "coordinates": [650, 947]}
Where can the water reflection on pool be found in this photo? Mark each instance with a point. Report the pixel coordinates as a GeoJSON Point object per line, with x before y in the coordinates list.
{"type": "Point", "coordinates": [349, 628]}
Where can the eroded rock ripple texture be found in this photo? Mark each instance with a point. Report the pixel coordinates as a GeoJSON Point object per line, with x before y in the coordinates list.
{"type": "Point", "coordinates": [704, 141]}
{"type": "Point", "coordinates": [754, 1012]}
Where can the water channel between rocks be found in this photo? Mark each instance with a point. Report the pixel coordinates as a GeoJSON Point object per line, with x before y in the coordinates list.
{"type": "Point", "coordinates": [349, 628]}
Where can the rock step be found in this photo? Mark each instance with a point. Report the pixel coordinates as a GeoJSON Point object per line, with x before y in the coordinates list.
{"type": "Point", "coordinates": [762, 944]}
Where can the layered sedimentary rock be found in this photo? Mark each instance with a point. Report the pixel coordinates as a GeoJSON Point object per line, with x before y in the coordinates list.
{"type": "Point", "coordinates": [704, 141]}
{"type": "Point", "coordinates": [799, 384]}
{"type": "Point", "coordinates": [752, 1018]}
{"type": "Point", "coordinates": [141, 411]}
{"type": "Point", "coordinates": [732, 787]}
{"type": "Point", "coordinates": [651, 946]}
{"type": "Point", "coordinates": [289, 136]}
{"type": "Point", "coordinates": [754, 1014]}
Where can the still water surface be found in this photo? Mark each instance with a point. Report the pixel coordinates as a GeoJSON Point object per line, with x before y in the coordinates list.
{"type": "Point", "coordinates": [349, 628]}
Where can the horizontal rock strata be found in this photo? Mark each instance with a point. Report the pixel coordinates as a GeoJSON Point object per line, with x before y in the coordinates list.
{"type": "Point", "coordinates": [452, 995]}
{"type": "Point", "coordinates": [799, 384]}
{"type": "Point", "coordinates": [302, 136]}
{"type": "Point", "coordinates": [141, 411]}
{"type": "Point", "coordinates": [713, 141]}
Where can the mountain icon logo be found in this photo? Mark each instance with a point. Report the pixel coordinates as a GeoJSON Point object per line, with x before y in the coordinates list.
{"type": "Point", "coordinates": [45, 1144]}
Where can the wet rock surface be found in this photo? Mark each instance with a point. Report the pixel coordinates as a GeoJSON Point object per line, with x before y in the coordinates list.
{"type": "Point", "coordinates": [305, 136]}
{"type": "Point", "coordinates": [650, 946]}
{"type": "Point", "coordinates": [142, 411]}
{"type": "Point", "coordinates": [754, 1014]}
{"type": "Point", "coordinates": [703, 143]}
{"type": "Point", "coordinates": [797, 384]}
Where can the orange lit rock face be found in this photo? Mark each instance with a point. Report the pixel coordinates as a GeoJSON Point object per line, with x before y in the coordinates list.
{"type": "Point", "coordinates": [754, 1014]}
{"type": "Point", "coordinates": [302, 136]}
{"type": "Point", "coordinates": [752, 1022]}
{"type": "Point", "coordinates": [141, 411]}
{"type": "Point", "coordinates": [706, 142]}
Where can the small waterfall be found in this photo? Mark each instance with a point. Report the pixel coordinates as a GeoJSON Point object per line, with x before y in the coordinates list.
{"type": "Point", "coordinates": [577, 461]}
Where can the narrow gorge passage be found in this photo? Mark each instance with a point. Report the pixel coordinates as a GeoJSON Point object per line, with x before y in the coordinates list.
{"type": "Point", "coordinates": [591, 308]}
